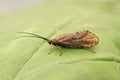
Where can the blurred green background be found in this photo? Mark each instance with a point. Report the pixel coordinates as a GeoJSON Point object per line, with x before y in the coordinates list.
{"type": "Point", "coordinates": [28, 59]}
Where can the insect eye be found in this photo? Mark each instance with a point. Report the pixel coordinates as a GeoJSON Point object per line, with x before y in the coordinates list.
{"type": "Point", "coordinates": [50, 41]}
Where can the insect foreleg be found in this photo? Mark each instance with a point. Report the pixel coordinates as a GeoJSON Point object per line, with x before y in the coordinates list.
{"type": "Point", "coordinates": [51, 47]}
{"type": "Point", "coordinates": [60, 50]}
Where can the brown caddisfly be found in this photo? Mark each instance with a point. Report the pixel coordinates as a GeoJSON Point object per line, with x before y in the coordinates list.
{"type": "Point", "coordinates": [83, 39]}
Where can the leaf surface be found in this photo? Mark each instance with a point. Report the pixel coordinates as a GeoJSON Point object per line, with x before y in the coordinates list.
{"type": "Point", "coordinates": [28, 59]}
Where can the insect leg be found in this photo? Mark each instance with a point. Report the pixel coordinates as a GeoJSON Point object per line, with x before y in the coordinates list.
{"type": "Point", "coordinates": [60, 50]}
{"type": "Point", "coordinates": [90, 50]}
{"type": "Point", "coordinates": [51, 47]}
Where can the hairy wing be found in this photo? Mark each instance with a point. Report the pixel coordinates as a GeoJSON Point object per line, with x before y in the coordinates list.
{"type": "Point", "coordinates": [64, 40]}
{"type": "Point", "coordinates": [81, 39]}
{"type": "Point", "coordinates": [69, 40]}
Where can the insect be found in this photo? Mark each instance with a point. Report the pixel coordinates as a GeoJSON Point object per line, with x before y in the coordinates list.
{"type": "Point", "coordinates": [83, 39]}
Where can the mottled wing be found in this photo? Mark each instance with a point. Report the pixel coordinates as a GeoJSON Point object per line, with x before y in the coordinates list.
{"type": "Point", "coordinates": [88, 39]}
{"type": "Point", "coordinates": [83, 39]}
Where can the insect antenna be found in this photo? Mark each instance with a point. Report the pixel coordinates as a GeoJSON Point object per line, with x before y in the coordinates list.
{"type": "Point", "coordinates": [33, 35]}
{"type": "Point", "coordinates": [24, 36]}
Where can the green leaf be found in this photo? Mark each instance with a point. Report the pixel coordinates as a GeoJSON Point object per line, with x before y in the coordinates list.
{"type": "Point", "coordinates": [28, 59]}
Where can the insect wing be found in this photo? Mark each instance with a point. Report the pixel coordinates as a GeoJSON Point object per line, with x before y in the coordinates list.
{"type": "Point", "coordinates": [83, 39]}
